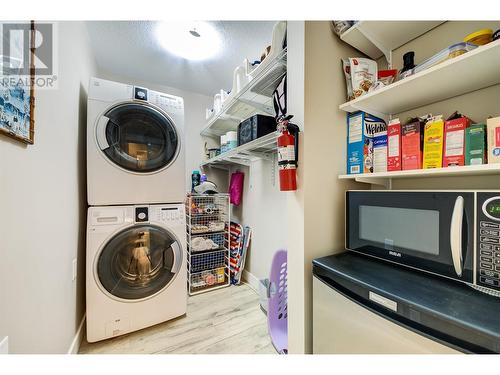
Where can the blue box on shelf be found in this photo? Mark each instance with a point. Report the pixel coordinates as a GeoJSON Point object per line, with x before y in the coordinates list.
{"type": "Point", "coordinates": [362, 129]}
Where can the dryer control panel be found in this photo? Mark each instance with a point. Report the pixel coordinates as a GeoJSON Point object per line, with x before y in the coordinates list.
{"type": "Point", "coordinates": [170, 214]}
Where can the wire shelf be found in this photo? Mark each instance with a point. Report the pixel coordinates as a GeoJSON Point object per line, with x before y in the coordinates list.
{"type": "Point", "coordinates": [208, 261]}
{"type": "Point", "coordinates": [207, 242]}
{"type": "Point", "coordinates": [204, 281]}
{"type": "Point", "coordinates": [207, 228]}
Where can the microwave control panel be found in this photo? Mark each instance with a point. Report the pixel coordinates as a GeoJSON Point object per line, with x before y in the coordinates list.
{"type": "Point", "coordinates": [488, 240]}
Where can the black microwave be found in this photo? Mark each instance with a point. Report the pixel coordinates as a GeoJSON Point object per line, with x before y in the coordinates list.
{"type": "Point", "coordinates": [455, 234]}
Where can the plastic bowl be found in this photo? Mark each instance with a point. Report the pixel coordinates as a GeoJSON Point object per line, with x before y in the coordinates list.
{"type": "Point", "coordinates": [480, 37]}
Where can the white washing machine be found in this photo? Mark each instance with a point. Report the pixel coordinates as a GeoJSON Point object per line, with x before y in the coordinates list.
{"type": "Point", "coordinates": [136, 268]}
{"type": "Point", "coordinates": [135, 151]}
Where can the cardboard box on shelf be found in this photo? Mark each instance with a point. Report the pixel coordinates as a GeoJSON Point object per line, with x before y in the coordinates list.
{"type": "Point", "coordinates": [362, 128]}
{"type": "Point", "coordinates": [380, 152]}
{"type": "Point", "coordinates": [394, 145]}
{"type": "Point", "coordinates": [493, 126]}
{"type": "Point", "coordinates": [412, 139]}
{"type": "Point", "coordinates": [475, 144]}
{"type": "Point", "coordinates": [433, 143]}
{"type": "Point", "coordinates": [454, 141]}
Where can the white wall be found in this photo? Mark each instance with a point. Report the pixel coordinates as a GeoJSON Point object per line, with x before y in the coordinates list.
{"type": "Point", "coordinates": [263, 209]}
{"type": "Point", "coordinates": [43, 210]}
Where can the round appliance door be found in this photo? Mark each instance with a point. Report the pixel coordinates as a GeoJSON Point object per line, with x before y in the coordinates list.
{"type": "Point", "coordinates": [138, 137]}
{"type": "Point", "coordinates": [138, 262]}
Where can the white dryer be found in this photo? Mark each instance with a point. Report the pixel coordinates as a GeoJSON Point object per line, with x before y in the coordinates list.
{"type": "Point", "coordinates": [135, 151]}
{"type": "Point", "coordinates": [136, 268]}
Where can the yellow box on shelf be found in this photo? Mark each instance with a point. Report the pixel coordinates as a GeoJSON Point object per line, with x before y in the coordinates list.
{"type": "Point", "coordinates": [433, 143]}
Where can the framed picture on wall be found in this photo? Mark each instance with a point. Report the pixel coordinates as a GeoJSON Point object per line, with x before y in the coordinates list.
{"type": "Point", "coordinates": [17, 92]}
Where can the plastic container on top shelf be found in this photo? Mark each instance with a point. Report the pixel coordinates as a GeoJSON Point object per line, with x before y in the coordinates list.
{"type": "Point", "coordinates": [447, 53]}
{"type": "Point", "coordinates": [480, 37]}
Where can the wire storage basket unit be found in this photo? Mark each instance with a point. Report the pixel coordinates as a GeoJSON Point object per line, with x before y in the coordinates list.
{"type": "Point", "coordinates": [207, 227]}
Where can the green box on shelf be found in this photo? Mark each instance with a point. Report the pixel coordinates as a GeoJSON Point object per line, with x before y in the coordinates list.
{"type": "Point", "coordinates": [475, 145]}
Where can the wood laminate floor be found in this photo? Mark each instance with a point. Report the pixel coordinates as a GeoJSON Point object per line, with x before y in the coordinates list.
{"type": "Point", "coordinates": [225, 321]}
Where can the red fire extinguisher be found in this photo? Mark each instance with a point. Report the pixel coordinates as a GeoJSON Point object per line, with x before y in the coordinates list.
{"type": "Point", "coordinates": [288, 155]}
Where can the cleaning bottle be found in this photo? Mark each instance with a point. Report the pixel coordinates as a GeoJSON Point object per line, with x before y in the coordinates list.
{"type": "Point", "coordinates": [195, 180]}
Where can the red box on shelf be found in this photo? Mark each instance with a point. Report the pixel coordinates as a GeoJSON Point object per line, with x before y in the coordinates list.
{"type": "Point", "coordinates": [412, 142]}
{"type": "Point", "coordinates": [454, 141]}
{"type": "Point", "coordinates": [394, 145]}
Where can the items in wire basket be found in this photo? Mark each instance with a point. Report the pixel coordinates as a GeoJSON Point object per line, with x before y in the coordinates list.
{"type": "Point", "coordinates": [208, 261]}
{"type": "Point", "coordinates": [214, 226]}
{"type": "Point", "coordinates": [208, 254]}
{"type": "Point", "coordinates": [202, 244]}
{"type": "Point", "coordinates": [209, 278]}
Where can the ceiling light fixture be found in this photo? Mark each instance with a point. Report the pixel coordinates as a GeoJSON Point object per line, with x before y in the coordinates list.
{"type": "Point", "coordinates": [189, 40]}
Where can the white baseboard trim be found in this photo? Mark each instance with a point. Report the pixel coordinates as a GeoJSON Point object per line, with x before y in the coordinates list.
{"type": "Point", "coordinates": [252, 281]}
{"type": "Point", "coordinates": [77, 340]}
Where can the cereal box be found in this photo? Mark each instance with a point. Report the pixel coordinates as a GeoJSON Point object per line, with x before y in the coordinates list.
{"type": "Point", "coordinates": [380, 152]}
{"type": "Point", "coordinates": [412, 138]}
{"type": "Point", "coordinates": [394, 145]}
{"type": "Point", "coordinates": [475, 144]}
{"type": "Point", "coordinates": [454, 141]}
{"type": "Point", "coordinates": [493, 125]}
{"type": "Point", "coordinates": [361, 130]}
{"type": "Point", "coordinates": [433, 143]}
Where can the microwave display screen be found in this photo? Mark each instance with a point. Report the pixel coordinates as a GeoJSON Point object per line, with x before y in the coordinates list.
{"type": "Point", "coordinates": [493, 208]}
{"type": "Point", "coordinates": [396, 229]}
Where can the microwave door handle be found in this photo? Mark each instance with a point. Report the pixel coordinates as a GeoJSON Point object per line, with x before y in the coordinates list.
{"type": "Point", "coordinates": [457, 218]}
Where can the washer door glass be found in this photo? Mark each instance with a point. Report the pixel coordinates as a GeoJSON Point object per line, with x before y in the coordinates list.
{"type": "Point", "coordinates": [139, 262]}
{"type": "Point", "coordinates": [139, 138]}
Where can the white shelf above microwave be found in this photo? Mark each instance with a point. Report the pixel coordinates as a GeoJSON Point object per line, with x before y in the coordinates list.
{"type": "Point", "coordinates": [385, 178]}
{"type": "Point", "coordinates": [474, 70]}
{"type": "Point", "coordinates": [254, 98]}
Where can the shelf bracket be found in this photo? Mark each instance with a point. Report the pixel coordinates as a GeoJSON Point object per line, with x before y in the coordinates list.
{"type": "Point", "coordinates": [215, 166]}
{"type": "Point", "coordinates": [381, 115]}
{"type": "Point", "coordinates": [386, 182]}
{"type": "Point", "coordinates": [386, 51]}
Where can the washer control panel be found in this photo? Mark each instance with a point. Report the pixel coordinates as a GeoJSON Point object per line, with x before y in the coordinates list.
{"type": "Point", "coordinates": [170, 214]}
{"type": "Point", "coordinates": [488, 240]}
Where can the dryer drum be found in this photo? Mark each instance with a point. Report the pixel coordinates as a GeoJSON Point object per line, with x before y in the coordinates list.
{"type": "Point", "coordinates": [140, 138]}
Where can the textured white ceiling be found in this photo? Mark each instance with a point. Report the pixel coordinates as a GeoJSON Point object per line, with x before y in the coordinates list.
{"type": "Point", "coordinates": [130, 49]}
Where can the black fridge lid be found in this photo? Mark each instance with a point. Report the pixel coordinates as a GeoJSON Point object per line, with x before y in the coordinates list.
{"type": "Point", "coordinates": [446, 311]}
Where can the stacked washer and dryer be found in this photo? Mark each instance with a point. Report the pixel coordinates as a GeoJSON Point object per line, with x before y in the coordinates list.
{"type": "Point", "coordinates": [136, 263]}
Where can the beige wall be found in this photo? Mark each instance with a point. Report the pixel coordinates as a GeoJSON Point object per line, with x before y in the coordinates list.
{"type": "Point", "coordinates": [316, 210]}
{"type": "Point", "coordinates": [295, 200]}
{"type": "Point", "coordinates": [43, 206]}
{"type": "Point", "coordinates": [325, 149]}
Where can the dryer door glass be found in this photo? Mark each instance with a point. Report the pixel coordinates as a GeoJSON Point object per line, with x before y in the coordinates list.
{"type": "Point", "coordinates": [140, 138]}
{"type": "Point", "coordinates": [139, 262]}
